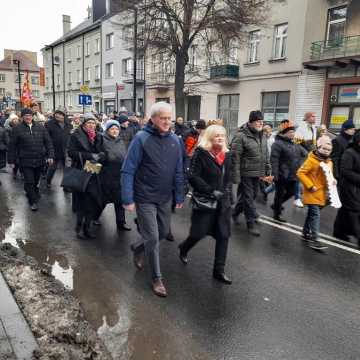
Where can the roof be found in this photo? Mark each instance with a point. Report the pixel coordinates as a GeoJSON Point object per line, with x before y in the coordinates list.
{"type": "Point", "coordinates": [84, 27]}
{"type": "Point", "coordinates": [26, 64]}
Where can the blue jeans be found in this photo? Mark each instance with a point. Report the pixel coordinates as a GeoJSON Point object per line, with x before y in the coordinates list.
{"type": "Point", "coordinates": [312, 221]}
{"type": "Point", "coordinates": [297, 191]}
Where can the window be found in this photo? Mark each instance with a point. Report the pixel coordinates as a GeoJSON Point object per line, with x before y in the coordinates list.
{"type": "Point", "coordinates": [109, 70]}
{"type": "Point", "coordinates": [58, 79]}
{"type": "Point", "coordinates": [87, 53]}
{"type": "Point", "coordinates": [127, 66]}
{"type": "Point", "coordinates": [69, 78]}
{"type": "Point", "coordinates": [280, 41]}
{"type": "Point", "coordinates": [36, 93]}
{"type": "Point", "coordinates": [78, 52]}
{"type": "Point", "coordinates": [275, 106]}
{"type": "Point", "coordinates": [69, 100]}
{"type": "Point", "coordinates": [97, 46]}
{"type": "Point", "coordinates": [228, 111]}
{"type": "Point", "coordinates": [69, 55]}
{"type": "Point", "coordinates": [87, 74]}
{"type": "Point", "coordinates": [97, 72]}
{"type": "Point", "coordinates": [47, 83]}
{"type": "Point", "coordinates": [167, 100]}
{"type": "Point", "coordinates": [2, 77]}
{"type": "Point", "coordinates": [34, 80]}
{"type": "Point", "coordinates": [254, 41]}
{"type": "Point", "coordinates": [336, 24]}
{"type": "Point", "coordinates": [109, 41]}
{"type": "Point", "coordinates": [2, 91]}
{"type": "Point", "coordinates": [17, 77]}
{"type": "Point", "coordinates": [78, 76]}
{"type": "Point", "coordinates": [17, 93]}
{"type": "Point", "coordinates": [193, 58]}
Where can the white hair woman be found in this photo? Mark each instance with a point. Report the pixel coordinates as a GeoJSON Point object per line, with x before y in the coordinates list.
{"type": "Point", "coordinates": [211, 181]}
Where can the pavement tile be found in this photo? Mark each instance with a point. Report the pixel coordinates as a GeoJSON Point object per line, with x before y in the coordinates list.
{"type": "Point", "coordinates": [8, 305]}
{"type": "Point", "coordinates": [19, 333]}
{"type": "Point", "coordinates": [6, 352]}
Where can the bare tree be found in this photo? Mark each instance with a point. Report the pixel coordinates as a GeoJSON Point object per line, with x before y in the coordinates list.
{"type": "Point", "coordinates": [173, 26]}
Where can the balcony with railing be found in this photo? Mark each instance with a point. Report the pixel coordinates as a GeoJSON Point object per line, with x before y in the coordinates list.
{"type": "Point", "coordinates": [128, 77]}
{"type": "Point", "coordinates": [160, 80]}
{"type": "Point", "coordinates": [224, 73]}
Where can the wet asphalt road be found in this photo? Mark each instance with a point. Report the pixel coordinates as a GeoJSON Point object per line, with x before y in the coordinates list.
{"type": "Point", "coordinates": [287, 301]}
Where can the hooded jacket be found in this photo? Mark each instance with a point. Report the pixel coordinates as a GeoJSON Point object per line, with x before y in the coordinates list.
{"type": "Point", "coordinates": [153, 168]}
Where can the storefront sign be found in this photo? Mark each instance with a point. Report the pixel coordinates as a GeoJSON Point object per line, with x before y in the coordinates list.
{"type": "Point", "coordinates": [349, 94]}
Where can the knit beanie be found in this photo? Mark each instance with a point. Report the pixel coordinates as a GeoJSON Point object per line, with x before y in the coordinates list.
{"type": "Point", "coordinates": [26, 111]}
{"type": "Point", "coordinates": [255, 115]}
{"type": "Point", "coordinates": [122, 118]}
{"type": "Point", "coordinates": [88, 117]}
{"type": "Point", "coordinates": [109, 124]}
{"type": "Point", "coordinates": [348, 124]}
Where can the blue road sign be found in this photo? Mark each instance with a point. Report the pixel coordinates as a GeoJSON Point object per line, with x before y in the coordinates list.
{"type": "Point", "coordinates": [85, 100]}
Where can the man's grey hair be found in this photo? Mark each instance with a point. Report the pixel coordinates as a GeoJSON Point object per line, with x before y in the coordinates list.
{"type": "Point", "coordinates": [159, 107]}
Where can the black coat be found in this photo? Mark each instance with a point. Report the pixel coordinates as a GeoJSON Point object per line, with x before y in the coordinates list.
{"type": "Point", "coordinates": [110, 176]}
{"type": "Point", "coordinates": [59, 136]}
{"type": "Point", "coordinates": [89, 203]}
{"type": "Point", "coordinates": [340, 144]}
{"type": "Point", "coordinates": [350, 178]}
{"type": "Point", "coordinates": [286, 158]}
{"type": "Point", "coordinates": [206, 176]}
{"type": "Point", "coordinates": [181, 130]}
{"type": "Point", "coordinates": [4, 142]}
{"type": "Point", "coordinates": [127, 134]}
{"type": "Point", "coordinates": [31, 145]}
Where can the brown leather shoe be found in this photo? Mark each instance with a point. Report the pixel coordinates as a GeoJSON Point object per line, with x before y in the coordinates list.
{"type": "Point", "coordinates": [139, 260]}
{"type": "Point", "coordinates": [159, 288]}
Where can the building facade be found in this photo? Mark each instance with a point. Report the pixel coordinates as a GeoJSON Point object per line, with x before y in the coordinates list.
{"type": "Point", "coordinates": [26, 61]}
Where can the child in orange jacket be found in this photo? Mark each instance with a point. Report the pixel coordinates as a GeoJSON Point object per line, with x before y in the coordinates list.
{"type": "Point", "coordinates": [315, 195]}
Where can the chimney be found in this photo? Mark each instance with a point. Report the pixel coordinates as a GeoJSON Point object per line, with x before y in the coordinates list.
{"type": "Point", "coordinates": [66, 24]}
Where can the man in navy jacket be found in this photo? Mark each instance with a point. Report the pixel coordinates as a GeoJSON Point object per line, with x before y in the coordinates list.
{"type": "Point", "coordinates": [152, 170]}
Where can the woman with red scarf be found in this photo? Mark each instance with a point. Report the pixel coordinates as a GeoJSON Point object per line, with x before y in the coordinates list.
{"type": "Point", "coordinates": [86, 144]}
{"type": "Point", "coordinates": [211, 181]}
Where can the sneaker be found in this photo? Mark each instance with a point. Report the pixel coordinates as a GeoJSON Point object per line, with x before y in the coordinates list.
{"type": "Point", "coordinates": [253, 230]}
{"type": "Point", "coordinates": [298, 203]}
{"type": "Point", "coordinates": [306, 237]}
{"type": "Point", "coordinates": [316, 245]}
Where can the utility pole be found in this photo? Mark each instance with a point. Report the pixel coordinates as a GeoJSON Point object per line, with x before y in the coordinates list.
{"type": "Point", "coordinates": [135, 57]}
{"type": "Point", "coordinates": [17, 62]}
{"type": "Point", "coordinates": [53, 78]}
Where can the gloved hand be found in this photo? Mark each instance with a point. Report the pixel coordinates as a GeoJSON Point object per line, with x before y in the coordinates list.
{"type": "Point", "coordinates": [218, 194]}
{"type": "Point", "coordinates": [95, 157]}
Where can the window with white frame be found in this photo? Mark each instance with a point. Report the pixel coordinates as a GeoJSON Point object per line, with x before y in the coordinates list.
{"type": "Point", "coordinates": [87, 49]}
{"type": "Point", "coordinates": [280, 41]}
{"type": "Point", "coordinates": [2, 77]}
{"type": "Point", "coordinates": [78, 51]}
{"type": "Point", "coordinates": [127, 66]}
{"type": "Point", "coordinates": [69, 100]}
{"type": "Point", "coordinates": [97, 72]}
{"type": "Point", "coordinates": [69, 77]}
{"type": "Point", "coordinates": [69, 55]}
{"type": "Point", "coordinates": [109, 70]}
{"type": "Point", "coordinates": [87, 74]}
{"type": "Point", "coordinates": [78, 76]}
{"type": "Point", "coordinates": [97, 46]}
{"type": "Point", "coordinates": [336, 24]}
{"type": "Point", "coordinates": [36, 93]}
{"type": "Point", "coordinates": [2, 91]}
{"type": "Point", "coordinates": [254, 42]}
{"type": "Point", "coordinates": [109, 41]}
{"type": "Point", "coordinates": [193, 61]}
{"type": "Point", "coordinates": [34, 80]}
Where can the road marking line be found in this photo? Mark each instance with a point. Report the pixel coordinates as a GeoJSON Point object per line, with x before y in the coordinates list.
{"type": "Point", "coordinates": [327, 242]}
{"type": "Point", "coordinates": [325, 236]}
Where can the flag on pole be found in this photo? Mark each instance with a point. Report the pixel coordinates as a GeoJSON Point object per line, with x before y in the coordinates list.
{"type": "Point", "coordinates": [26, 97]}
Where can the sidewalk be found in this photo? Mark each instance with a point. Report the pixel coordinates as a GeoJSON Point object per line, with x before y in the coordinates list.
{"type": "Point", "coordinates": [16, 339]}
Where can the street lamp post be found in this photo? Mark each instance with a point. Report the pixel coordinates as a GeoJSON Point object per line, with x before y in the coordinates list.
{"type": "Point", "coordinates": [135, 57]}
{"type": "Point", "coordinates": [17, 62]}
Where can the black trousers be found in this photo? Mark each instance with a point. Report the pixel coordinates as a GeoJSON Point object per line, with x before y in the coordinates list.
{"type": "Point", "coordinates": [119, 214]}
{"type": "Point", "coordinates": [31, 183]}
{"type": "Point", "coordinates": [347, 223]}
{"type": "Point", "coordinates": [58, 163]}
{"type": "Point", "coordinates": [247, 193]}
{"type": "Point", "coordinates": [284, 190]}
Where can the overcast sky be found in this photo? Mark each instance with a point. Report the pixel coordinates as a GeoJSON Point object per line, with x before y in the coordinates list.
{"type": "Point", "coordinates": [29, 25]}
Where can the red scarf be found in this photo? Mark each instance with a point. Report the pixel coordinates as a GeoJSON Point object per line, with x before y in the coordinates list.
{"type": "Point", "coordinates": [91, 134]}
{"type": "Point", "coordinates": [218, 155]}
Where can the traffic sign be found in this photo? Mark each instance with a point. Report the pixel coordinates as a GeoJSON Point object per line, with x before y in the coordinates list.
{"type": "Point", "coordinates": [84, 89]}
{"type": "Point", "coordinates": [85, 100]}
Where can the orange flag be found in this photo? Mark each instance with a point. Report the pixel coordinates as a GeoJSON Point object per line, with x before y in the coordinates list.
{"type": "Point", "coordinates": [26, 97]}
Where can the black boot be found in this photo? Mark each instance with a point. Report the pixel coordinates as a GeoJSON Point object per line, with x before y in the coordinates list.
{"type": "Point", "coordinates": [87, 231]}
{"type": "Point", "coordinates": [183, 255]}
{"type": "Point", "coordinates": [253, 229]}
{"type": "Point", "coordinates": [222, 277]}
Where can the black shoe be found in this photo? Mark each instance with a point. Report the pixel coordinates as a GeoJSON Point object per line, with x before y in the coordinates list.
{"type": "Point", "coordinates": [89, 235]}
{"type": "Point", "coordinates": [221, 276]}
{"type": "Point", "coordinates": [123, 227]}
{"type": "Point", "coordinates": [306, 237]}
{"type": "Point", "coordinates": [252, 229]}
{"type": "Point", "coordinates": [170, 237]}
{"type": "Point", "coordinates": [341, 237]}
{"type": "Point", "coordinates": [279, 218]}
{"type": "Point", "coordinates": [316, 245]}
{"type": "Point", "coordinates": [34, 207]}
{"type": "Point", "coordinates": [182, 255]}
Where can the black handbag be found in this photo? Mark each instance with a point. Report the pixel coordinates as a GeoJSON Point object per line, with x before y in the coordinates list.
{"type": "Point", "coordinates": [204, 203]}
{"type": "Point", "coordinates": [76, 180]}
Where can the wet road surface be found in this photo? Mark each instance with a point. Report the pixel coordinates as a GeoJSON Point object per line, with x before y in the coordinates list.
{"type": "Point", "coordinates": [286, 302]}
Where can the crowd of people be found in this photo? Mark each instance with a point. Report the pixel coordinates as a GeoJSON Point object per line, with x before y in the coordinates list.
{"type": "Point", "coordinates": [149, 166]}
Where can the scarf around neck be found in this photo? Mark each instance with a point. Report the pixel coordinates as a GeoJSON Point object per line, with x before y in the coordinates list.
{"type": "Point", "coordinates": [91, 134]}
{"type": "Point", "coordinates": [218, 155]}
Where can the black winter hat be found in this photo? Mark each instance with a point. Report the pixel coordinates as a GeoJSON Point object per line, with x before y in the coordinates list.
{"type": "Point", "coordinates": [348, 124]}
{"type": "Point", "coordinates": [122, 118]}
{"type": "Point", "coordinates": [26, 111]}
{"type": "Point", "coordinates": [255, 115]}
